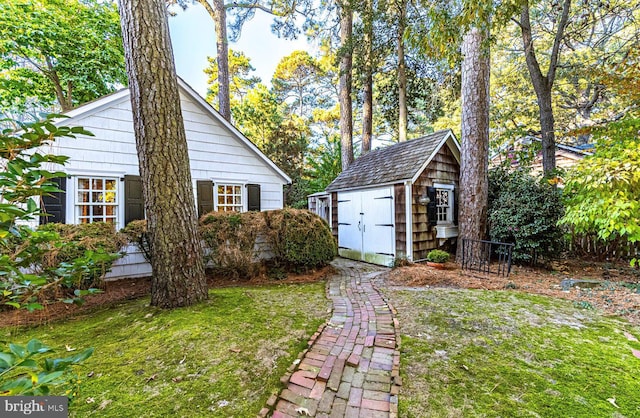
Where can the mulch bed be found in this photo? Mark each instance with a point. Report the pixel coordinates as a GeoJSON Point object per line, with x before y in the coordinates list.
{"type": "Point", "coordinates": [619, 293]}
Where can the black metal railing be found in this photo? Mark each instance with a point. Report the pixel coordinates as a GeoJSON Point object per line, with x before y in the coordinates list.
{"type": "Point", "coordinates": [488, 257]}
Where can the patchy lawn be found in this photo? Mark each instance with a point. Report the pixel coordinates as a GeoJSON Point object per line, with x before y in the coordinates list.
{"type": "Point", "coordinates": [508, 353]}
{"type": "Point", "coordinates": [222, 358]}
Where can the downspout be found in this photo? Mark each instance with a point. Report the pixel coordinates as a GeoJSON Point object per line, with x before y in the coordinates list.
{"type": "Point", "coordinates": [408, 197]}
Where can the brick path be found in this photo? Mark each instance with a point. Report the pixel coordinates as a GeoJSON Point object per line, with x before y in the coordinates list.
{"type": "Point", "coordinates": [351, 367]}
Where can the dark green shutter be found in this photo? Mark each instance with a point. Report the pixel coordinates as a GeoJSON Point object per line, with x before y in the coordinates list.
{"type": "Point", "coordinates": [133, 199]}
{"type": "Point", "coordinates": [432, 212]}
{"type": "Point", "coordinates": [204, 189]}
{"type": "Point", "coordinates": [54, 204]}
{"type": "Point", "coordinates": [253, 197]}
{"type": "Point", "coordinates": [456, 209]}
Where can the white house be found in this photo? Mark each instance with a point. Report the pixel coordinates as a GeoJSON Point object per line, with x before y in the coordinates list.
{"type": "Point", "coordinates": [228, 171]}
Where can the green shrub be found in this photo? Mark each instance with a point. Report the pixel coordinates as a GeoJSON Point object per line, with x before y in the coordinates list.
{"type": "Point", "coordinates": [524, 211]}
{"type": "Point", "coordinates": [243, 244]}
{"type": "Point", "coordinates": [300, 239]}
{"type": "Point", "coordinates": [136, 233]}
{"type": "Point", "coordinates": [76, 242]}
{"type": "Point", "coordinates": [438, 256]}
{"type": "Point", "coordinates": [231, 241]}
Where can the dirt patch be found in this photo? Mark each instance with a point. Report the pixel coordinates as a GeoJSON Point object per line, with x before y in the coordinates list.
{"type": "Point", "coordinates": [118, 291]}
{"type": "Point", "coordinates": [617, 294]}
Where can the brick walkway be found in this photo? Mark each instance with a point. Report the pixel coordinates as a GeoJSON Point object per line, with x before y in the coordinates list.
{"type": "Point", "coordinates": [351, 367]}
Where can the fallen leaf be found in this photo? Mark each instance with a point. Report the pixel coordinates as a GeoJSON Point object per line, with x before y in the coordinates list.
{"type": "Point", "coordinates": [90, 374]}
{"type": "Point", "coordinates": [176, 379]}
{"type": "Point", "coordinates": [235, 350]}
{"type": "Point", "coordinates": [303, 411]}
{"type": "Point", "coordinates": [612, 401]}
{"type": "Point", "coordinates": [90, 400]}
{"type": "Point", "coordinates": [635, 352]}
{"type": "Point", "coordinates": [630, 337]}
{"type": "Point", "coordinates": [69, 348]}
{"type": "Point", "coordinates": [104, 403]}
{"type": "Point", "coordinates": [152, 377]}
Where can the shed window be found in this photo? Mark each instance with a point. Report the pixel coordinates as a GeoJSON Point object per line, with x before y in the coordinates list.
{"type": "Point", "coordinates": [96, 199]}
{"type": "Point", "coordinates": [444, 203]}
{"type": "Point", "coordinates": [229, 197]}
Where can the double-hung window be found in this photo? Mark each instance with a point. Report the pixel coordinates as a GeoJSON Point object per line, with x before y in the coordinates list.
{"type": "Point", "coordinates": [229, 198]}
{"type": "Point", "coordinates": [96, 199]}
{"type": "Point", "coordinates": [444, 203]}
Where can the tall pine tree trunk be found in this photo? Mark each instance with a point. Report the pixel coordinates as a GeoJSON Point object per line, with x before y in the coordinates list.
{"type": "Point", "coordinates": [474, 164]}
{"type": "Point", "coordinates": [402, 72]}
{"type": "Point", "coordinates": [345, 84]}
{"type": "Point", "coordinates": [367, 107]}
{"type": "Point", "coordinates": [176, 251]}
{"type": "Point", "coordinates": [218, 13]}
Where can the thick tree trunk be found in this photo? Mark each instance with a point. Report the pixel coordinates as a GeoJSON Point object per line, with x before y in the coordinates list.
{"type": "Point", "coordinates": [176, 250]}
{"type": "Point", "coordinates": [402, 73]}
{"type": "Point", "coordinates": [346, 64]}
{"type": "Point", "coordinates": [543, 84]}
{"type": "Point", "coordinates": [367, 107]}
{"type": "Point", "coordinates": [474, 163]}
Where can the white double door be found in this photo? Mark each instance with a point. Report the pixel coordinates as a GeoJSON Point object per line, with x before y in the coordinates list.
{"type": "Point", "coordinates": [366, 225]}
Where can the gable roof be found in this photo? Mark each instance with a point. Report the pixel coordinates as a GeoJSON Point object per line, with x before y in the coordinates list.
{"type": "Point", "coordinates": [397, 163]}
{"type": "Point", "coordinates": [121, 95]}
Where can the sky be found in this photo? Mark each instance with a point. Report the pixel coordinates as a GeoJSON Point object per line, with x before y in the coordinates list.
{"type": "Point", "coordinates": [193, 38]}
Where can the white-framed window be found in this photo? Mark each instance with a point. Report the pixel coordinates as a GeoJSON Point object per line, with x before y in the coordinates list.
{"type": "Point", "coordinates": [444, 203]}
{"type": "Point", "coordinates": [229, 197]}
{"type": "Point", "coordinates": [97, 199]}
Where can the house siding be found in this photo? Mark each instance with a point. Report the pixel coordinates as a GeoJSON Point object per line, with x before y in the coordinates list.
{"type": "Point", "coordinates": [444, 168]}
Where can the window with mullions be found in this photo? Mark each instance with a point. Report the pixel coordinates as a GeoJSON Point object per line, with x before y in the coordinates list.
{"type": "Point", "coordinates": [96, 199]}
{"type": "Point", "coordinates": [229, 198]}
{"type": "Point", "coordinates": [444, 203]}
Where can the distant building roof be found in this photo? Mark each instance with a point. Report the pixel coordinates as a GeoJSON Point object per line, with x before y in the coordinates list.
{"type": "Point", "coordinates": [393, 164]}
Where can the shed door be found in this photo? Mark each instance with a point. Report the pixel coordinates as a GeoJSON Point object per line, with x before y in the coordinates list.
{"type": "Point", "coordinates": [366, 227]}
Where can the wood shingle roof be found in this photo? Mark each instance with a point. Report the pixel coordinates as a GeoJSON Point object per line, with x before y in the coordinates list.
{"type": "Point", "coordinates": [392, 164]}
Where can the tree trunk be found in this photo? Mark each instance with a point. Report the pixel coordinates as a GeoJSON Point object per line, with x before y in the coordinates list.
{"type": "Point", "coordinates": [543, 84]}
{"type": "Point", "coordinates": [217, 12]}
{"type": "Point", "coordinates": [474, 164]}
{"type": "Point", "coordinates": [176, 250]}
{"type": "Point", "coordinates": [402, 73]}
{"type": "Point", "coordinates": [367, 107]}
{"type": "Point", "coordinates": [346, 64]}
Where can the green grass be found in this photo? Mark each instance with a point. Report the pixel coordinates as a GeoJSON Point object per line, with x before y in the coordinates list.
{"type": "Point", "coordinates": [509, 354]}
{"type": "Point", "coordinates": [222, 358]}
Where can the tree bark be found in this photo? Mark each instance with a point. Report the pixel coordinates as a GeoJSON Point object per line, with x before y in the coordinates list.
{"type": "Point", "coordinates": [345, 84]}
{"type": "Point", "coordinates": [474, 164]}
{"type": "Point", "coordinates": [367, 107]}
{"type": "Point", "coordinates": [543, 84]}
{"type": "Point", "coordinates": [176, 251]}
{"type": "Point", "coordinates": [402, 73]}
{"type": "Point", "coordinates": [217, 12]}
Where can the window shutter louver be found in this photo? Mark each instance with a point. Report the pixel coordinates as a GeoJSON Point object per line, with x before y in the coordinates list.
{"type": "Point", "coordinates": [432, 211]}
{"type": "Point", "coordinates": [204, 189]}
{"type": "Point", "coordinates": [133, 199]}
{"type": "Point", "coordinates": [253, 199]}
{"type": "Point", "coordinates": [54, 204]}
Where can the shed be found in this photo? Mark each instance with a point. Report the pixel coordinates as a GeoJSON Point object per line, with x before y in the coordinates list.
{"type": "Point", "coordinates": [398, 201]}
{"type": "Point", "coordinates": [229, 172]}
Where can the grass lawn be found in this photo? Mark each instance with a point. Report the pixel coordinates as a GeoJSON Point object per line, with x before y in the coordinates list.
{"type": "Point", "coordinates": [223, 358]}
{"type": "Point", "coordinates": [500, 353]}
